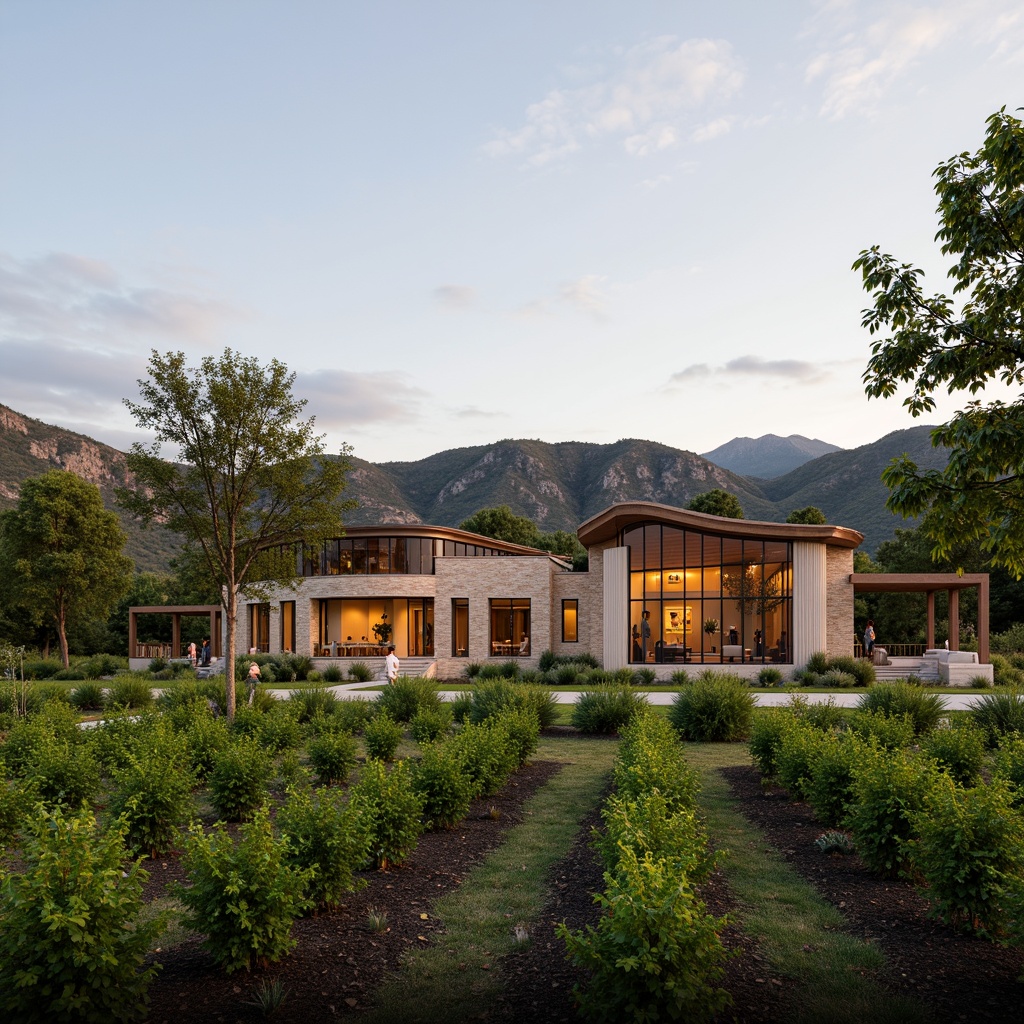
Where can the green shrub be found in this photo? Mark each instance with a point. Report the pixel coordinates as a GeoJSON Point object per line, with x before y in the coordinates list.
{"type": "Point", "coordinates": [888, 732]}
{"type": "Point", "coordinates": [655, 954]}
{"type": "Point", "coordinates": [100, 665]}
{"type": "Point", "coordinates": [16, 800]}
{"type": "Point", "coordinates": [333, 756]}
{"type": "Point", "coordinates": [969, 843]}
{"type": "Point", "coordinates": [280, 729]}
{"type": "Point", "coordinates": [206, 737]}
{"type": "Point", "coordinates": [889, 788]}
{"type": "Point", "coordinates": [492, 670]}
{"type": "Point", "coordinates": [156, 665]}
{"type": "Point", "coordinates": [606, 710]}
{"type": "Point", "coordinates": [797, 754]}
{"type": "Point", "coordinates": [403, 698]}
{"type": "Point", "coordinates": [521, 731]}
{"type": "Point", "coordinates": [817, 663]}
{"type": "Point", "coordinates": [153, 794]}
{"type": "Point", "coordinates": [566, 675]}
{"type": "Point", "coordinates": [769, 676]}
{"type": "Point", "coordinates": [492, 697]}
{"type": "Point", "coordinates": [360, 672]}
{"type": "Point", "coordinates": [382, 737]}
{"type": "Point", "coordinates": [833, 679]}
{"type": "Point", "coordinates": [72, 945]}
{"type": "Point", "coordinates": [485, 755]}
{"type": "Point", "coordinates": [644, 677]}
{"type": "Point", "coordinates": [442, 785]}
{"type": "Point", "coordinates": [1005, 673]}
{"type": "Point", "coordinates": [960, 750]}
{"type": "Point", "coordinates": [328, 838]}
{"type": "Point", "coordinates": [63, 773]}
{"type": "Point", "coordinates": [897, 699]}
{"type": "Point", "coordinates": [43, 668]}
{"type": "Point", "coordinates": [130, 691]}
{"type": "Point", "coordinates": [88, 697]}
{"type": "Point", "coordinates": [650, 757]}
{"type": "Point", "coordinates": [393, 808]}
{"type": "Point", "coordinates": [239, 778]}
{"type": "Point", "coordinates": [472, 670]}
{"type": "Point", "coordinates": [717, 707]}
{"type": "Point", "coordinates": [767, 728]}
{"type": "Point", "coordinates": [462, 707]}
{"type": "Point", "coordinates": [428, 725]}
{"type": "Point", "coordinates": [830, 788]}
{"type": "Point", "coordinates": [999, 715]}
{"type": "Point", "coordinates": [313, 701]}
{"type": "Point", "coordinates": [861, 669]}
{"type": "Point", "coordinates": [824, 715]}
{"type": "Point", "coordinates": [332, 674]}
{"type": "Point", "coordinates": [1009, 764]}
{"type": "Point", "coordinates": [352, 715]}
{"type": "Point", "coordinates": [53, 722]}
{"type": "Point", "coordinates": [243, 896]}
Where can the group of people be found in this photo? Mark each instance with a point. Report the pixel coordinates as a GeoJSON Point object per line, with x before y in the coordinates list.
{"type": "Point", "coordinates": [199, 656]}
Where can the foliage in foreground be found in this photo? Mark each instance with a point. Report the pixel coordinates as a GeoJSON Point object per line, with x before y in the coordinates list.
{"type": "Point", "coordinates": [717, 707]}
{"type": "Point", "coordinates": [72, 946]}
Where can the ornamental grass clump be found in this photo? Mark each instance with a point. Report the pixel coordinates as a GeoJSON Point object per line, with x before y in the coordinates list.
{"type": "Point", "coordinates": [607, 709]}
{"type": "Point", "coordinates": [313, 702]}
{"type": "Point", "coordinates": [243, 895]}
{"type": "Point", "coordinates": [130, 691]}
{"type": "Point", "coordinates": [999, 715]}
{"type": "Point", "coordinates": [88, 697]}
{"type": "Point", "coordinates": [72, 945]}
{"type": "Point", "coordinates": [897, 699]}
{"type": "Point", "coordinates": [717, 707]}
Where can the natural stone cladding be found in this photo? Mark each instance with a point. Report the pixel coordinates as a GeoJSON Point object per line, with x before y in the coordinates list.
{"type": "Point", "coordinates": [838, 601]}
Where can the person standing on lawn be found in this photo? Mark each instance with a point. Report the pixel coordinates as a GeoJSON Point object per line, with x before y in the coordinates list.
{"type": "Point", "coordinates": [252, 679]}
{"type": "Point", "coordinates": [391, 665]}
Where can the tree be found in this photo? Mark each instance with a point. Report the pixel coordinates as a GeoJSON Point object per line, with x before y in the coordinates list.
{"type": "Point", "coordinates": [502, 523]}
{"type": "Point", "coordinates": [961, 343]}
{"type": "Point", "coordinates": [60, 553]}
{"type": "Point", "coordinates": [250, 482]}
{"type": "Point", "coordinates": [717, 503]}
{"type": "Point", "coordinates": [811, 515]}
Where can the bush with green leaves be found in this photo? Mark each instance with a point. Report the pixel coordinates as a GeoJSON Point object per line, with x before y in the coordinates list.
{"type": "Point", "coordinates": [817, 663]}
{"type": "Point", "coordinates": [959, 750]}
{"type": "Point", "coordinates": [1005, 673]}
{"type": "Point", "coordinates": [889, 788]}
{"type": "Point", "coordinates": [563, 675]}
{"type": "Point", "coordinates": [407, 695]}
{"type": "Point", "coordinates": [327, 836]}
{"type": "Point", "coordinates": [521, 733]}
{"type": "Point", "coordinates": [999, 715]}
{"type": "Point", "coordinates": [73, 945]}
{"type": "Point", "coordinates": [462, 706]}
{"type": "Point", "coordinates": [88, 697]}
{"type": "Point", "coordinates": [130, 691]}
{"type": "Point", "coordinates": [243, 895]}
{"type": "Point", "coordinates": [16, 800]}
{"type": "Point", "coordinates": [968, 843]}
{"type": "Point", "coordinates": [716, 707]}
{"type": "Point", "coordinates": [153, 793]}
{"type": "Point", "coordinates": [492, 697]}
{"type": "Point", "coordinates": [888, 732]}
{"type": "Point", "coordinates": [313, 701]}
{"type": "Point", "coordinates": [821, 714]}
{"type": "Point", "coordinates": [206, 737]}
{"type": "Point", "coordinates": [240, 778]}
{"type": "Point", "coordinates": [644, 677]}
{"type": "Point", "coordinates": [333, 756]}
{"type": "Point", "coordinates": [54, 721]}
{"type": "Point", "coordinates": [485, 755]}
{"type": "Point", "coordinates": [897, 699]}
{"type": "Point", "coordinates": [769, 676]}
{"type": "Point", "coordinates": [830, 788]}
{"type": "Point", "coordinates": [651, 757]}
{"type": "Point", "coordinates": [393, 808]}
{"type": "Point", "coordinates": [860, 668]}
{"type": "Point", "coordinates": [656, 952]}
{"type": "Point", "coordinates": [767, 729]}
{"type": "Point", "coordinates": [429, 725]}
{"type": "Point", "coordinates": [280, 728]}
{"type": "Point", "coordinates": [331, 674]}
{"type": "Point", "coordinates": [472, 669]}
{"type": "Point", "coordinates": [42, 668]}
{"type": "Point", "coordinates": [382, 736]}
{"type": "Point", "coordinates": [797, 754]}
{"type": "Point", "coordinates": [443, 786]}
{"type": "Point", "coordinates": [1009, 765]}
{"type": "Point", "coordinates": [353, 715]}
{"type": "Point", "coordinates": [606, 710]}
{"type": "Point", "coordinates": [360, 672]}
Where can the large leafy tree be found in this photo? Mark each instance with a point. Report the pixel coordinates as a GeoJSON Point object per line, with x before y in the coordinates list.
{"type": "Point", "coordinates": [60, 553]}
{"type": "Point", "coordinates": [961, 343]}
{"type": "Point", "coordinates": [502, 523]}
{"type": "Point", "coordinates": [249, 478]}
{"type": "Point", "coordinates": [717, 503]}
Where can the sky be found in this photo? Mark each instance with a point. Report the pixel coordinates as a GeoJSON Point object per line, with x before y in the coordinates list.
{"type": "Point", "coordinates": [458, 222]}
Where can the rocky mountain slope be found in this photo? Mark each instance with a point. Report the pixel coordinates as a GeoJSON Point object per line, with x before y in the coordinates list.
{"type": "Point", "coordinates": [768, 456]}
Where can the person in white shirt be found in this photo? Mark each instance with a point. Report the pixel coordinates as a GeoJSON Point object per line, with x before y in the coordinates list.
{"type": "Point", "coordinates": [391, 665]}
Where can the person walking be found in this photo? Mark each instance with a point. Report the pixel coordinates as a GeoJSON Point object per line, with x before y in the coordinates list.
{"type": "Point", "coordinates": [204, 654]}
{"type": "Point", "coordinates": [252, 679]}
{"type": "Point", "coordinates": [192, 653]}
{"type": "Point", "coordinates": [391, 665]}
{"type": "Point", "coordinates": [869, 639]}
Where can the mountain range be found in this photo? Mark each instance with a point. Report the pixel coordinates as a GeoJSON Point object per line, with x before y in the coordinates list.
{"type": "Point", "coordinates": [558, 485]}
{"type": "Point", "coordinates": [768, 456]}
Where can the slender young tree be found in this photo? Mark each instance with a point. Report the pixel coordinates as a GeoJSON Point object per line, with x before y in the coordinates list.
{"type": "Point", "coordinates": [60, 553]}
{"type": "Point", "coordinates": [961, 343]}
{"type": "Point", "coordinates": [249, 480]}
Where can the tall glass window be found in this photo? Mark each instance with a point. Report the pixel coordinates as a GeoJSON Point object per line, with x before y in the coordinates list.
{"type": "Point", "coordinates": [259, 627]}
{"type": "Point", "coordinates": [460, 627]}
{"type": "Point", "coordinates": [510, 627]}
{"type": "Point", "coordinates": [288, 626]}
{"type": "Point", "coordinates": [570, 620]}
{"type": "Point", "coordinates": [699, 597]}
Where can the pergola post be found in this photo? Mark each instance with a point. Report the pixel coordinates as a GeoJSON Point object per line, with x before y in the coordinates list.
{"type": "Point", "coordinates": [175, 634]}
{"type": "Point", "coordinates": [983, 652]}
{"type": "Point", "coordinates": [954, 620]}
{"type": "Point", "coordinates": [929, 634]}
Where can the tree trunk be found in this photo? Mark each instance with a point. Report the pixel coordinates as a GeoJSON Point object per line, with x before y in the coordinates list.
{"type": "Point", "coordinates": [62, 638]}
{"type": "Point", "coordinates": [230, 617]}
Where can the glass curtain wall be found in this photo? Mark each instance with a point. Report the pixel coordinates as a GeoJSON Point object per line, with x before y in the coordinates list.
{"type": "Point", "coordinates": [698, 597]}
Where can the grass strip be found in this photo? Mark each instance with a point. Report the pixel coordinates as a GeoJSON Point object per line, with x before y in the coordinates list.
{"type": "Point", "coordinates": [801, 934]}
{"type": "Point", "coordinates": [456, 978]}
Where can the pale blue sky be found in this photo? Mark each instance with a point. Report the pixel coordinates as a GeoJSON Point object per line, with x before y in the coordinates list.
{"type": "Point", "coordinates": [459, 222]}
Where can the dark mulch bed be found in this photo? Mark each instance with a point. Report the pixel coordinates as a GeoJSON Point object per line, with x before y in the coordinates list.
{"type": "Point", "coordinates": [958, 976]}
{"type": "Point", "coordinates": [338, 961]}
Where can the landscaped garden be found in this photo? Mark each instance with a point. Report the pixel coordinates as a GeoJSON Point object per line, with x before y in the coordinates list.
{"type": "Point", "coordinates": [405, 858]}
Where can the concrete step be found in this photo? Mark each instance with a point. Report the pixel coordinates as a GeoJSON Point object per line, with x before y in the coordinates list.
{"type": "Point", "coordinates": [900, 668]}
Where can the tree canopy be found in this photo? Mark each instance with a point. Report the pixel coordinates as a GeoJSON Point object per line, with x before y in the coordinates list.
{"type": "Point", "coordinates": [502, 523]}
{"type": "Point", "coordinates": [961, 343]}
{"type": "Point", "coordinates": [717, 503]}
{"type": "Point", "coordinates": [249, 479]}
{"type": "Point", "coordinates": [60, 553]}
{"type": "Point", "coordinates": [811, 515]}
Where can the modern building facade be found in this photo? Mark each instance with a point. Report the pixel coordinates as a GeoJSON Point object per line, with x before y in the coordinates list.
{"type": "Point", "coordinates": [665, 587]}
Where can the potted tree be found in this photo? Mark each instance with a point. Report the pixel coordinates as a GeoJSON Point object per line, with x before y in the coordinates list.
{"type": "Point", "coordinates": [711, 628]}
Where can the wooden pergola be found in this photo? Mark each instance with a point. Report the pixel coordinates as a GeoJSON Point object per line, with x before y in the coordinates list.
{"type": "Point", "coordinates": [930, 583]}
{"type": "Point", "coordinates": [176, 611]}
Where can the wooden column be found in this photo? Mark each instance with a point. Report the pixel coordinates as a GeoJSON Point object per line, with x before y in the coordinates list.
{"type": "Point", "coordinates": [954, 620]}
{"type": "Point", "coordinates": [176, 635]}
{"type": "Point", "coordinates": [983, 653]}
{"type": "Point", "coordinates": [929, 635]}
{"type": "Point", "coordinates": [133, 647]}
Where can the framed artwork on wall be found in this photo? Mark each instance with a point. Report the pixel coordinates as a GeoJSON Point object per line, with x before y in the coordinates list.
{"type": "Point", "coordinates": [677, 620]}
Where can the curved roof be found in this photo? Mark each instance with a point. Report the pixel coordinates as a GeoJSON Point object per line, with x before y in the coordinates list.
{"type": "Point", "coordinates": [606, 525]}
{"type": "Point", "coordinates": [444, 533]}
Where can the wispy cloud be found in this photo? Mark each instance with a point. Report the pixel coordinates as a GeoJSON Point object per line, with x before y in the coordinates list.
{"type": "Point", "coordinates": [472, 412]}
{"type": "Point", "coordinates": [342, 399]}
{"type": "Point", "coordinates": [644, 103]}
{"type": "Point", "coordinates": [863, 50]}
{"type": "Point", "coordinates": [454, 296]}
{"type": "Point", "coordinates": [795, 370]}
{"type": "Point", "coordinates": [584, 295]}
